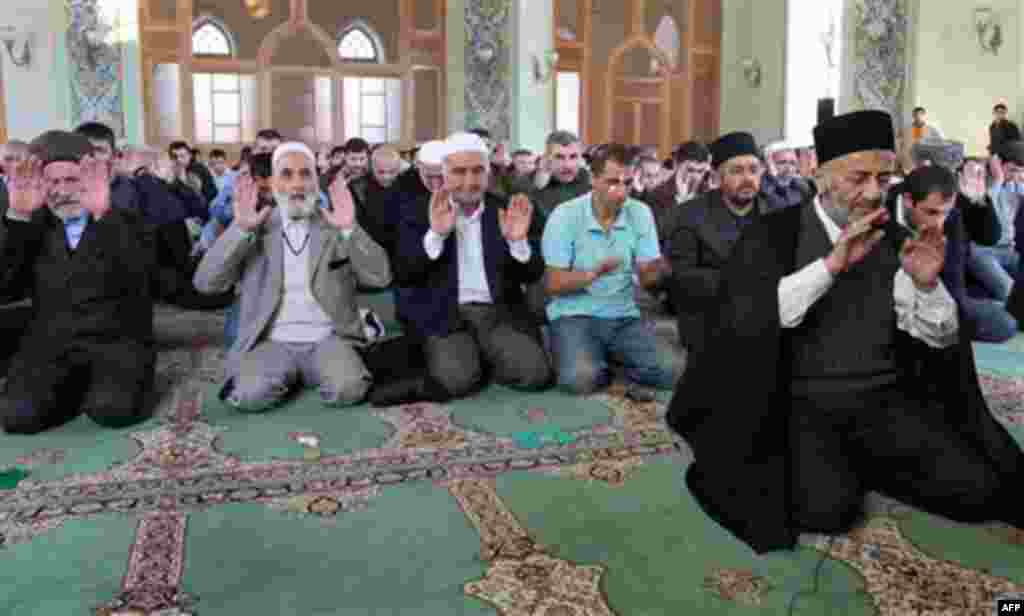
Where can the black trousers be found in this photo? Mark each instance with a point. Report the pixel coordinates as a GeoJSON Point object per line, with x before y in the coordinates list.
{"type": "Point", "coordinates": [886, 441]}
{"type": "Point", "coordinates": [496, 342]}
{"type": "Point", "coordinates": [109, 382]}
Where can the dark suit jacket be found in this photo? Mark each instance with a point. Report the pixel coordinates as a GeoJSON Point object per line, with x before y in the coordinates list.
{"type": "Point", "coordinates": [1000, 134]}
{"type": "Point", "coordinates": [377, 211]}
{"type": "Point", "coordinates": [5, 199]}
{"type": "Point", "coordinates": [99, 293]}
{"type": "Point", "coordinates": [697, 252]}
{"type": "Point", "coordinates": [428, 294]}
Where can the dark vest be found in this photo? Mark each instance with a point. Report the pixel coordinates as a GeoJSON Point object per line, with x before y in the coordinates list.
{"type": "Point", "coordinates": [846, 342]}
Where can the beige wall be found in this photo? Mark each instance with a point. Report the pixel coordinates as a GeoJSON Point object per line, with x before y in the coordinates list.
{"type": "Point", "coordinates": [955, 80]}
{"type": "Point", "coordinates": [753, 29]}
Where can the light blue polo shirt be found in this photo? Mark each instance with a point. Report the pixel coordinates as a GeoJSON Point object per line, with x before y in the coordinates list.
{"type": "Point", "coordinates": [574, 240]}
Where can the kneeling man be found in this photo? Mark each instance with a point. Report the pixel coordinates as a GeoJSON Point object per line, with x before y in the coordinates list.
{"type": "Point", "coordinates": [298, 266]}
{"type": "Point", "coordinates": [88, 268]}
{"type": "Point", "coordinates": [851, 371]}
{"type": "Point", "coordinates": [594, 245]}
{"type": "Point", "coordinates": [463, 257]}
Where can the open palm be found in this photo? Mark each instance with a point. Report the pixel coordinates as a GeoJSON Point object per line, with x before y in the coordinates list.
{"type": "Point", "coordinates": [515, 219]}
{"type": "Point", "coordinates": [95, 187]}
{"type": "Point", "coordinates": [26, 187]}
{"type": "Point", "coordinates": [342, 214]}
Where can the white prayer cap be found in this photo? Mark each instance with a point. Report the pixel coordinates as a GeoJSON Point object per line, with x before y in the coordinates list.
{"type": "Point", "coordinates": [778, 146]}
{"type": "Point", "coordinates": [431, 153]}
{"type": "Point", "coordinates": [290, 147]}
{"type": "Point", "coordinates": [465, 142]}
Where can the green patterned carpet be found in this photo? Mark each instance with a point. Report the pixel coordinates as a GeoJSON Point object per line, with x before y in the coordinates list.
{"type": "Point", "coordinates": [531, 505]}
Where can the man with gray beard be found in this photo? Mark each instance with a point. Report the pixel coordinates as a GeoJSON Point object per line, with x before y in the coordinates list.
{"type": "Point", "coordinates": [783, 183]}
{"type": "Point", "coordinates": [297, 266]}
{"type": "Point", "coordinates": [89, 269]}
{"type": "Point", "coordinates": [853, 372]}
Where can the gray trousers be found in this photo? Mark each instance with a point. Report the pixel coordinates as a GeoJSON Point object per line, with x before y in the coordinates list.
{"type": "Point", "coordinates": [510, 346]}
{"type": "Point", "coordinates": [271, 370]}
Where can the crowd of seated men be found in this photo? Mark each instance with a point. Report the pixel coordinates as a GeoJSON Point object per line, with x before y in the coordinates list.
{"type": "Point", "coordinates": [521, 269]}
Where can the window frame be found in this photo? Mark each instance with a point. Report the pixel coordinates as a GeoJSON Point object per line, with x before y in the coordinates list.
{"type": "Point", "coordinates": [364, 28]}
{"type": "Point", "coordinates": [204, 21]}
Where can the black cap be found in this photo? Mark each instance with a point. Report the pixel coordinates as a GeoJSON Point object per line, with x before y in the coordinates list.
{"type": "Point", "coordinates": [854, 132]}
{"type": "Point", "coordinates": [60, 146]}
{"type": "Point", "coordinates": [731, 146]}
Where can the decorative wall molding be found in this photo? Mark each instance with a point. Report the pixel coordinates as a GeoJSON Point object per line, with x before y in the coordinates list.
{"type": "Point", "coordinates": [95, 64]}
{"type": "Point", "coordinates": [489, 67]}
{"type": "Point", "coordinates": [880, 56]}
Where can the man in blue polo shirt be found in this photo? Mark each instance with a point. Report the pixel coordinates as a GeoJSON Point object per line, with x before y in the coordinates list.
{"type": "Point", "coordinates": [596, 248]}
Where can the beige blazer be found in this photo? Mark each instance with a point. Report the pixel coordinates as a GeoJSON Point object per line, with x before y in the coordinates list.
{"type": "Point", "coordinates": [337, 265]}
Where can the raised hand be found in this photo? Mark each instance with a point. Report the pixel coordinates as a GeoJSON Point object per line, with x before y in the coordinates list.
{"type": "Point", "coordinates": [923, 257]}
{"type": "Point", "coordinates": [95, 186]}
{"type": "Point", "coordinates": [972, 187]}
{"type": "Point", "coordinates": [857, 241]}
{"type": "Point", "coordinates": [343, 214]}
{"type": "Point", "coordinates": [442, 212]}
{"type": "Point", "coordinates": [27, 187]}
{"type": "Point", "coordinates": [515, 219]}
{"type": "Point", "coordinates": [246, 198]}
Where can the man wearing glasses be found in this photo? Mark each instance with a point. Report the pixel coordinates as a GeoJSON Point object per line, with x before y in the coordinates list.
{"type": "Point", "coordinates": [597, 247]}
{"type": "Point", "coordinates": [707, 229]}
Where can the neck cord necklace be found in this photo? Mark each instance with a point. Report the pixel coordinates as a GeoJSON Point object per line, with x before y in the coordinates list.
{"type": "Point", "coordinates": [292, 248]}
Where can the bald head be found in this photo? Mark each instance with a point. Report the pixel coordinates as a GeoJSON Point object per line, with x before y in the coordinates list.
{"type": "Point", "coordinates": [387, 164]}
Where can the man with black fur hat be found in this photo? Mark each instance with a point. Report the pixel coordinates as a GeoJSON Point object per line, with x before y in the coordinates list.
{"type": "Point", "coordinates": [853, 374]}
{"type": "Point", "coordinates": [704, 231]}
{"type": "Point", "coordinates": [89, 268]}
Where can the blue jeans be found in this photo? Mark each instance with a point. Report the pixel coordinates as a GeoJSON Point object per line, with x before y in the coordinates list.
{"type": "Point", "coordinates": [583, 345]}
{"type": "Point", "coordinates": [992, 323]}
{"type": "Point", "coordinates": [995, 268]}
{"type": "Point", "coordinates": [232, 323]}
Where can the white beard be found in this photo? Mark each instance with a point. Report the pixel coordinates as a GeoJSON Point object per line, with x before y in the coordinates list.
{"type": "Point", "coordinates": [297, 210]}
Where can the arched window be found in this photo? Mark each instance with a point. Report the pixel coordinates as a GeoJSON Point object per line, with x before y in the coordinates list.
{"type": "Point", "coordinates": [211, 38]}
{"type": "Point", "coordinates": [359, 43]}
{"type": "Point", "coordinates": [666, 37]}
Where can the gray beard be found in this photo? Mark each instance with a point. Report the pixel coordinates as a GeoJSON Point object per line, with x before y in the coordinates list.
{"type": "Point", "coordinates": [838, 215]}
{"type": "Point", "coordinates": [300, 210]}
{"type": "Point", "coordinates": [784, 181]}
{"type": "Point", "coordinates": [66, 211]}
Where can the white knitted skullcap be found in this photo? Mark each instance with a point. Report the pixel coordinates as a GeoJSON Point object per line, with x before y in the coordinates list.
{"type": "Point", "coordinates": [289, 148]}
{"type": "Point", "coordinates": [465, 142]}
{"type": "Point", "coordinates": [431, 153]}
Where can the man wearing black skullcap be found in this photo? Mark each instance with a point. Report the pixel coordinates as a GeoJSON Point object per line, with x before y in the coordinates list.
{"type": "Point", "coordinates": [704, 231]}
{"type": "Point", "coordinates": [89, 269]}
{"type": "Point", "coordinates": [850, 371]}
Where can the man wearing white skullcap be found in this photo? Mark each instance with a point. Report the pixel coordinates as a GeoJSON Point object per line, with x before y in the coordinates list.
{"type": "Point", "coordinates": [298, 266]}
{"type": "Point", "coordinates": [461, 263]}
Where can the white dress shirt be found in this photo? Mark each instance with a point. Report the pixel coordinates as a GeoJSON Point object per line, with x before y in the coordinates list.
{"type": "Point", "coordinates": [473, 285]}
{"type": "Point", "coordinates": [299, 319]}
{"type": "Point", "coordinates": [928, 316]}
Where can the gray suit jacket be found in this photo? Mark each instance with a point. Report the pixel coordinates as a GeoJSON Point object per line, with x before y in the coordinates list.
{"type": "Point", "coordinates": [337, 266]}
